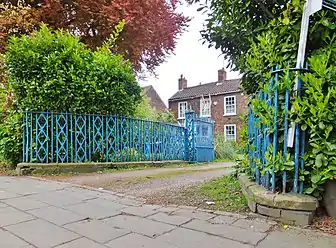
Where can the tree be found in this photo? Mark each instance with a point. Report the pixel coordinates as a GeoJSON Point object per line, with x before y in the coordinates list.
{"type": "Point", "coordinates": [234, 26]}
{"type": "Point", "coordinates": [150, 32]}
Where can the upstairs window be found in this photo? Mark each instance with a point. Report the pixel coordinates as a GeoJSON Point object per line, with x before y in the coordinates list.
{"type": "Point", "coordinates": [230, 132]}
{"type": "Point", "coordinates": [230, 105]}
{"type": "Point", "coordinates": [182, 107]}
{"type": "Point", "coordinates": [205, 108]}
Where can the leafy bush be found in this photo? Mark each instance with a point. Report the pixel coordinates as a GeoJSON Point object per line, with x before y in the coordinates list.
{"type": "Point", "coordinates": [315, 111]}
{"type": "Point", "coordinates": [224, 150]}
{"type": "Point", "coordinates": [11, 138]}
{"type": "Point", "coordinates": [54, 71]}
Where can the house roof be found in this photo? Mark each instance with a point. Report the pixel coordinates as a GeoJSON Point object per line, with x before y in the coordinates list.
{"type": "Point", "coordinates": [154, 97]}
{"type": "Point", "coordinates": [214, 88]}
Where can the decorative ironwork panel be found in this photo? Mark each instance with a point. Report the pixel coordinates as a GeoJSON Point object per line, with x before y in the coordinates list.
{"type": "Point", "coordinates": [80, 139]}
{"type": "Point", "coordinates": [69, 138]}
{"type": "Point", "coordinates": [62, 138]}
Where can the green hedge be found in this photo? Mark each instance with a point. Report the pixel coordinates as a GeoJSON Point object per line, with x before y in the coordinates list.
{"type": "Point", "coordinates": [54, 71]}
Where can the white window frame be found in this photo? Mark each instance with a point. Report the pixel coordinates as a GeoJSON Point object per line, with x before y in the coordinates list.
{"type": "Point", "coordinates": [235, 105]}
{"type": "Point", "coordinates": [180, 117]}
{"type": "Point", "coordinates": [201, 107]}
{"type": "Point", "coordinates": [235, 132]}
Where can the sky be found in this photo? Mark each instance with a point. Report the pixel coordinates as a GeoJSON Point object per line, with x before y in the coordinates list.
{"type": "Point", "coordinates": [197, 62]}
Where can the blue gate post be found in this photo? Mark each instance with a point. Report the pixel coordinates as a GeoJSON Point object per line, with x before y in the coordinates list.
{"type": "Point", "coordinates": [190, 139]}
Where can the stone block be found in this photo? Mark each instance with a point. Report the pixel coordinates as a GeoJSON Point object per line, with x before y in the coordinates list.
{"type": "Point", "coordinates": [252, 206]}
{"type": "Point", "coordinates": [295, 202]}
{"type": "Point", "coordinates": [184, 238]}
{"type": "Point", "coordinates": [226, 231]}
{"type": "Point", "coordinates": [245, 181]}
{"type": "Point", "coordinates": [170, 219]}
{"type": "Point", "coordinates": [139, 225]}
{"type": "Point", "coordinates": [261, 195]}
{"type": "Point", "coordinates": [301, 218]}
{"type": "Point", "coordinates": [96, 230]}
{"type": "Point", "coordinates": [268, 211]}
{"type": "Point", "coordinates": [42, 234]}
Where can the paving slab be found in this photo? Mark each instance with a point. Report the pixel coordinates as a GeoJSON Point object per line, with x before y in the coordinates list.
{"type": "Point", "coordinates": [8, 240]}
{"type": "Point", "coordinates": [3, 205]}
{"type": "Point", "coordinates": [25, 203]}
{"type": "Point", "coordinates": [223, 219]}
{"type": "Point", "coordinates": [295, 238]}
{"type": "Point", "coordinates": [56, 215]}
{"type": "Point", "coordinates": [96, 230]}
{"type": "Point", "coordinates": [195, 214]}
{"type": "Point", "coordinates": [28, 186]}
{"type": "Point", "coordinates": [42, 234]}
{"type": "Point", "coordinates": [60, 198]}
{"type": "Point", "coordinates": [5, 194]}
{"type": "Point", "coordinates": [93, 211]}
{"type": "Point", "coordinates": [170, 219]}
{"type": "Point", "coordinates": [139, 225]}
{"type": "Point", "coordinates": [226, 231]}
{"type": "Point", "coordinates": [10, 216]}
{"type": "Point", "coordinates": [134, 240]}
{"type": "Point", "coordinates": [142, 211]}
{"type": "Point", "coordinates": [81, 243]}
{"type": "Point", "coordinates": [184, 238]}
{"type": "Point", "coordinates": [168, 210]}
{"type": "Point", "coordinates": [254, 225]}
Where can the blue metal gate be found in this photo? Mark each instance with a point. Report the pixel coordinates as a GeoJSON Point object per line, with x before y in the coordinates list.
{"type": "Point", "coordinates": [199, 138]}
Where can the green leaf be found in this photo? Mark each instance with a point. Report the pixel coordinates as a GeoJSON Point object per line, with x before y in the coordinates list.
{"type": "Point", "coordinates": [316, 178]}
{"type": "Point", "coordinates": [319, 160]}
{"type": "Point", "coordinates": [309, 191]}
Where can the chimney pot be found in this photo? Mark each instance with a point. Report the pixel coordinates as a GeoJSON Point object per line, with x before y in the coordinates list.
{"type": "Point", "coordinates": [182, 83]}
{"type": "Point", "coordinates": [221, 75]}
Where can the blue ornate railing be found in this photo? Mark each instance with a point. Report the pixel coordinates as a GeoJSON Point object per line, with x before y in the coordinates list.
{"type": "Point", "coordinates": [273, 138]}
{"type": "Point", "coordinates": [71, 138]}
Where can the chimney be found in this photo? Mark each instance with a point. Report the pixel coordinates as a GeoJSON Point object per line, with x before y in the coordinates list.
{"type": "Point", "coordinates": [221, 75]}
{"type": "Point", "coordinates": [182, 83]}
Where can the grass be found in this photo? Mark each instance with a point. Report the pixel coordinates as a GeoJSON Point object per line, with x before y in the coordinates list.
{"type": "Point", "coordinates": [226, 193]}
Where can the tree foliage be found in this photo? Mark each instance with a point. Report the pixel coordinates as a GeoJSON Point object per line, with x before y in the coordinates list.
{"type": "Point", "coordinates": [150, 32]}
{"type": "Point", "coordinates": [236, 26]}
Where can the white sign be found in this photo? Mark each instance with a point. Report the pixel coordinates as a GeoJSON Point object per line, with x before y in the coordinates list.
{"type": "Point", "coordinates": [314, 6]}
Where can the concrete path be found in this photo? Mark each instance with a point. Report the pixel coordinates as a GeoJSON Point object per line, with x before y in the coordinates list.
{"type": "Point", "coordinates": [38, 213]}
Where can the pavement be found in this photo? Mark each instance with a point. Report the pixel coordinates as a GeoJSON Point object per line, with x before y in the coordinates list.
{"type": "Point", "coordinates": [40, 213]}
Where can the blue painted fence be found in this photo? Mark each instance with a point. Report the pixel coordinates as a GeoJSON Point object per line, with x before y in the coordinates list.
{"type": "Point", "coordinates": [200, 138]}
{"type": "Point", "coordinates": [73, 138]}
{"type": "Point", "coordinates": [263, 137]}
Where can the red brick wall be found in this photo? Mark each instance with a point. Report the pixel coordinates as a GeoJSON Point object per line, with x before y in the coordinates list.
{"type": "Point", "coordinates": [217, 111]}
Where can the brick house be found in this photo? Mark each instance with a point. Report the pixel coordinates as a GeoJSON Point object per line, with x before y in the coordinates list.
{"type": "Point", "coordinates": [155, 99]}
{"type": "Point", "coordinates": [223, 101]}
